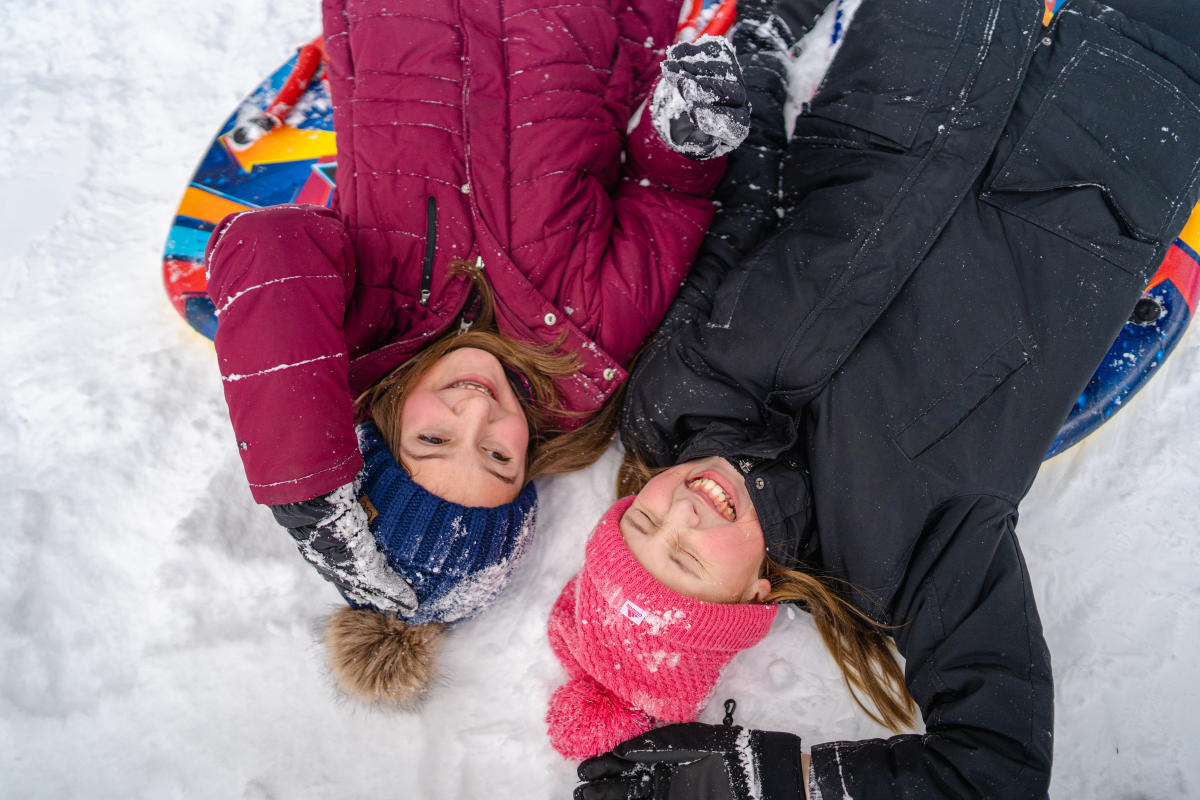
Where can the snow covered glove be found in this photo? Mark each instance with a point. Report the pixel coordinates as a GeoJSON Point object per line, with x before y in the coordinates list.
{"type": "Point", "coordinates": [694, 761]}
{"type": "Point", "coordinates": [772, 27]}
{"type": "Point", "coordinates": [699, 107]}
{"type": "Point", "coordinates": [332, 534]}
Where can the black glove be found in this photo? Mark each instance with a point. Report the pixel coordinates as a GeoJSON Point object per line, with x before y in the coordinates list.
{"type": "Point", "coordinates": [773, 26]}
{"type": "Point", "coordinates": [700, 107]}
{"type": "Point", "coordinates": [332, 534]}
{"type": "Point", "coordinates": [694, 761]}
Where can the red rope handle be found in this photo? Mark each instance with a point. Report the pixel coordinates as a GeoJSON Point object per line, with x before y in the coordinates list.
{"type": "Point", "coordinates": [690, 20]}
{"type": "Point", "coordinates": [722, 21]}
{"type": "Point", "coordinates": [307, 63]}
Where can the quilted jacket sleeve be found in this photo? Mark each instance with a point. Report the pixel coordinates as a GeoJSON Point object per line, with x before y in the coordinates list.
{"type": "Point", "coordinates": [647, 29]}
{"type": "Point", "coordinates": [339, 73]}
{"type": "Point", "coordinates": [656, 221]}
{"type": "Point", "coordinates": [280, 278]}
{"type": "Point", "coordinates": [748, 196]}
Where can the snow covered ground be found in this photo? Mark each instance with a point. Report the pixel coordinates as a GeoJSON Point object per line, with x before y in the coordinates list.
{"type": "Point", "coordinates": [158, 631]}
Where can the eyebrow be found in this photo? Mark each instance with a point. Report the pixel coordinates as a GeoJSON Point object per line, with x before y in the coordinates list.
{"type": "Point", "coordinates": [435, 454]}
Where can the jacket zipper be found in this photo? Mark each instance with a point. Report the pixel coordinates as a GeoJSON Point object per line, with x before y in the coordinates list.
{"type": "Point", "coordinates": [430, 247]}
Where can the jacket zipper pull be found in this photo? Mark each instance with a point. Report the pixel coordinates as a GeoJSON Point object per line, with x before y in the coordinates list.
{"type": "Point", "coordinates": [430, 248]}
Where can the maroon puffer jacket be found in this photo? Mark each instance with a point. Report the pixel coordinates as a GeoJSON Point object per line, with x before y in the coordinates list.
{"type": "Point", "coordinates": [467, 129]}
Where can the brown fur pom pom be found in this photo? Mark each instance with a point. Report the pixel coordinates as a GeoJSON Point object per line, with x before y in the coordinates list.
{"type": "Point", "coordinates": [380, 660]}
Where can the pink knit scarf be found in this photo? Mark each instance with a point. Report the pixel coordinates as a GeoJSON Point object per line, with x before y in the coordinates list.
{"type": "Point", "coordinates": [638, 654]}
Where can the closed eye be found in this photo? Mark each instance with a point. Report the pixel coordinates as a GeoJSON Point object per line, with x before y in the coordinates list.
{"type": "Point", "coordinates": [685, 559]}
{"type": "Point", "coordinates": [427, 438]}
{"type": "Point", "coordinates": [686, 564]}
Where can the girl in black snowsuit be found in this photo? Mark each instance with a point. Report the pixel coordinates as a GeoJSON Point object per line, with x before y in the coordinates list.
{"type": "Point", "coordinates": [973, 204]}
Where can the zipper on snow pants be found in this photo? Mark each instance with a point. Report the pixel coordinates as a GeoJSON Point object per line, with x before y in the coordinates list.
{"type": "Point", "coordinates": [430, 247]}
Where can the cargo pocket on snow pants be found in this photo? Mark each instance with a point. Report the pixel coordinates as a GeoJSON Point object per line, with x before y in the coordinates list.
{"type": "Point", "coordinates": [1106, 160]}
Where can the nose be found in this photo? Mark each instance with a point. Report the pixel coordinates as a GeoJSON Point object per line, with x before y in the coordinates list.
{"type": "Point", "coordinates": [474, 410]}
{"type": "Point", "coordinates": [682, 515]}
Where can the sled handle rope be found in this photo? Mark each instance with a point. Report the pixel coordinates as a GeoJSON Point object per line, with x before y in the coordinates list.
{"type": "Point", "coordinates": [309, 59]}
{"type": "Point", "coordinates": [722, 19]}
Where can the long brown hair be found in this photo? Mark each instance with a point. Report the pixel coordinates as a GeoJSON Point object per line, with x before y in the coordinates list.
{"type": "Point", "coordinates": [862, 652]}
{"type": "Point", "coordinates": [552, 447]}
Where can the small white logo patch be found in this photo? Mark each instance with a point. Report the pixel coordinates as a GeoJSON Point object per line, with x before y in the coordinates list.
{"type": "Point", "coordinates": [633, 613]}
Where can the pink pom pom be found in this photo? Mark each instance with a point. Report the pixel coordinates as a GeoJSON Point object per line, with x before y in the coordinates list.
{"type": "Point", "coordinates": [586, 720]}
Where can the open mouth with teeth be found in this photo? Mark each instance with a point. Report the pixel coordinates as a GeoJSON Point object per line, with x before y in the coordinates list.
{"type": "Point", "coordinates": [716, 494]}
{"type": "Point", "coordinates": [473, 385]}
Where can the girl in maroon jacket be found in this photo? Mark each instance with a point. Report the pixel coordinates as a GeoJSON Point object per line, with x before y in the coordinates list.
{"type": "Point", "coordinates": [507, 229]}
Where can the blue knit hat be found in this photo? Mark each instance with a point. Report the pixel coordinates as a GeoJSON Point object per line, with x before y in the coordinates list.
{"type": "Point", "coordinates": [458, 559]}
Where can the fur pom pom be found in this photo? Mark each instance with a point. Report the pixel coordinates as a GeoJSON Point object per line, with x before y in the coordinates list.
{"type": "Point", "coordinates": [585, 720]}
{"type": "Point", "coordinates": [379, 659]}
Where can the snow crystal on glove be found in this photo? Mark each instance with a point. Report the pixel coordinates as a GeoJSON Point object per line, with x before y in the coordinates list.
{"type": "Point", "coordinates": [365, 578]}
{"type": "Point", "coordinates": [681, 95]}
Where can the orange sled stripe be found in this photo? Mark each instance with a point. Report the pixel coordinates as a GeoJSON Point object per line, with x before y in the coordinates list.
{"type": "Point", "coordinates": [200, 204]}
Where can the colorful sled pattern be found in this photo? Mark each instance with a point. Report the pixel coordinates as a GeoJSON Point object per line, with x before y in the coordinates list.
{"type": "Point", "coordinates": [296, 162]}
{"type": "Point", "coordinates": [1154, 328]}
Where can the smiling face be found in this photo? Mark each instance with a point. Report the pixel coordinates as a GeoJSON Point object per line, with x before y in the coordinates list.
{"type": "Point", "coordinates": [695, 530]}
{"type": "Point", "coordinates": [464, 435]}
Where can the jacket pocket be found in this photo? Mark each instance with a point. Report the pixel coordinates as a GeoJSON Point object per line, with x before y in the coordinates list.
{"type": "Point", "coordinates": [1100, 163]}
{"type": "Point", "coordinates": [884, 80]}
{"type": "Point", "coordinates": [946, 413]}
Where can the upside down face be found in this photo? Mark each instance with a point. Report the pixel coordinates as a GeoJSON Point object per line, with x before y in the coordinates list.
{"type": "Point", "coordinates": [694, 528]}
{"type": "Point", "coordinates": [464, 435]}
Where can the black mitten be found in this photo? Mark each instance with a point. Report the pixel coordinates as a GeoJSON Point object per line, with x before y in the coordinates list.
{"type": "Point", "coordinates": [332, 534]}
{"type": "Point", "coordinates": [700, 107]}
{"type": "Point", "coordinates": [694, 761]}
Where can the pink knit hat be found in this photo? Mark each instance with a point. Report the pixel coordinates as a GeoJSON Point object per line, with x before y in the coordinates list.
{"type": "Point", "coordinates": [638, 654]}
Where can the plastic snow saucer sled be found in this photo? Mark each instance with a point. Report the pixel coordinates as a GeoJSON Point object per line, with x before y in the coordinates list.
{"type": "Point", "coordinates": [1154, 328]}
{"type": "Point", "coordinates": [278, 147]}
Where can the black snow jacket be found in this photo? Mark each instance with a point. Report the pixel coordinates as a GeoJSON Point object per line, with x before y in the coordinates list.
{"type": "Point", "coordinates": [972, 204]}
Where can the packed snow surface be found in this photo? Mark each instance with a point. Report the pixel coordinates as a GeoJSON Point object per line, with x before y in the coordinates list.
{"type": "Point", "coordinates": [159, 631]}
